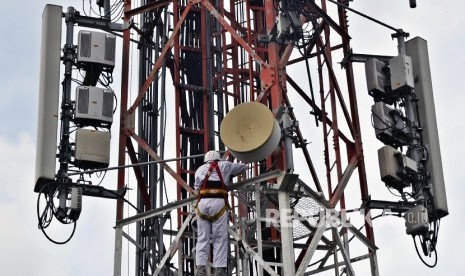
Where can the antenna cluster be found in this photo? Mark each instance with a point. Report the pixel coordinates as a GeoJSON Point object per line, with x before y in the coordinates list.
{"type": "Point", "coordinates": [86, 116]}
{"type": "Point", "coordinates": [402, 91]}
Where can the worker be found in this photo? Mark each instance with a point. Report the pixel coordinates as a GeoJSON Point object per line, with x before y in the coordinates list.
{"type": "Point", "coordinates": [210, 184]}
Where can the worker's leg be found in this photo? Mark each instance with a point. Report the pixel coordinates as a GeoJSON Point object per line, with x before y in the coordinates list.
{"type": "Point", "coordinates": [201, 270]}
{"type": "Point", "coordinates": [220, 241]}
{"type": "Point", "coordinates": [221, 271]}
{"type": "Point", "coordinates": [202, 249]}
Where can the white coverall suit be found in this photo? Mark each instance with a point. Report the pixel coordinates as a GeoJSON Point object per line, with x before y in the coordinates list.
{"type": "Point", "coordinates": [216, 230]}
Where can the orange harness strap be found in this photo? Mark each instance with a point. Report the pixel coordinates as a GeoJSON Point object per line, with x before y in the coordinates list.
{"type": "Point", "coordinates": [205, 191]}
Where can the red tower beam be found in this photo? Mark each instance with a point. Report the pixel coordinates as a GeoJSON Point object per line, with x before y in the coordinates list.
{"type": "Point", "coordinates": [247, 71]}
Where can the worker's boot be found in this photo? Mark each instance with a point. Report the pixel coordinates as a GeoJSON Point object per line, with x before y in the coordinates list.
{"type": "Point", "coordinates": [201, 270]}
{"type": "Point", "coordinates": [221, 271]}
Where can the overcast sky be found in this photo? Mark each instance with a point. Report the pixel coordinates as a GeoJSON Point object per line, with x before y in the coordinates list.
{"type": "Point", "coordinates": [26, 251]}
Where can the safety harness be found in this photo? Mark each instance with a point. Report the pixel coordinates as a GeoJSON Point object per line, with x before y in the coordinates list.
{"type": "Point", "coordinates": [213, 189]}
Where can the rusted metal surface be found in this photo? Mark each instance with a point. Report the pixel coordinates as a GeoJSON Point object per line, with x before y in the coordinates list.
{"type": "Point", "coordinates": [150, 6]}
{"type": "Point", "coordinates": [158, 63]}
{"type": "Point", "coordinates": [155, 156]}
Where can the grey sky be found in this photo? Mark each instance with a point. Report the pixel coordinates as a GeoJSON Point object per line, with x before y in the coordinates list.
{"type": "Point", "coordinates": [26, 251]}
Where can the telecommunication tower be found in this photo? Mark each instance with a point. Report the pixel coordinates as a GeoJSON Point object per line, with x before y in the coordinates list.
{"type": "Point", "coordinates": [220, 55]}
{"type": "Point", "coordinates": [198, 63]}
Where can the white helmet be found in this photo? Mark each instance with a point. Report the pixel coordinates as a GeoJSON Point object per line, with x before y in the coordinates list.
{"type": "Point", "coordinates": [211, 156]}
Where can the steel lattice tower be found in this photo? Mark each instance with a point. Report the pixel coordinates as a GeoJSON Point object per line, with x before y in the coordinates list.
{"type": "Point", "coordinates": [209, 56]}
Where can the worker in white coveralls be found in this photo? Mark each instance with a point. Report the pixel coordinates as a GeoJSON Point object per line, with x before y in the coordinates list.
{"type": "Point", "coordinates": [211, 180]}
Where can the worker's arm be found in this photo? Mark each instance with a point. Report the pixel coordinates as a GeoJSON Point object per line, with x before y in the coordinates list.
{"type": "Point", "coordinates": [236, 168]}
{"type": "Point", "coordinates": [198, 177]}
